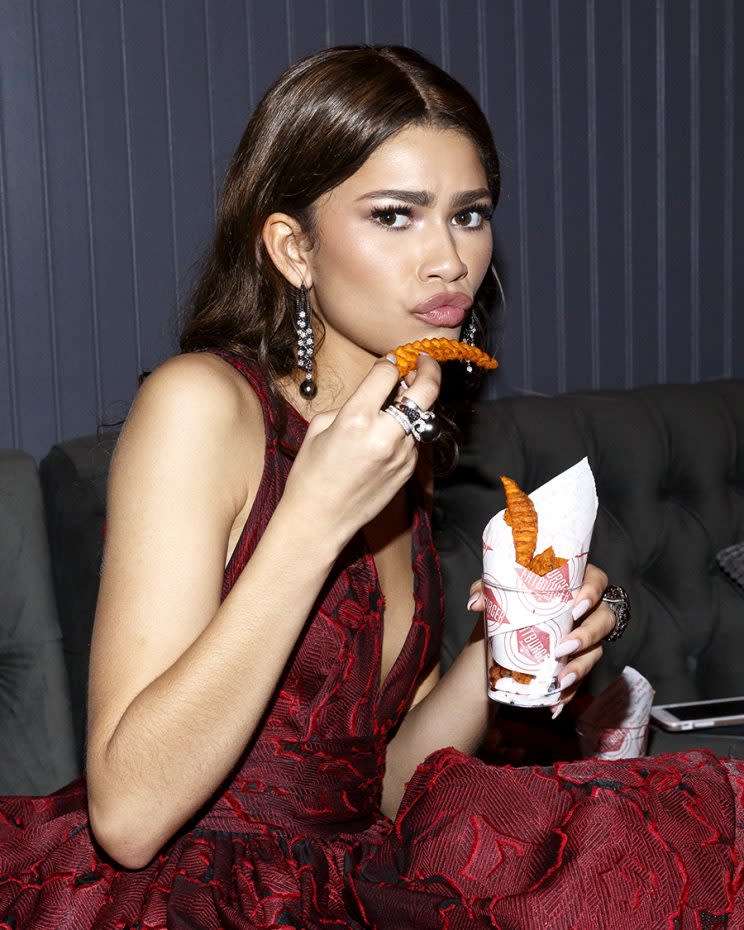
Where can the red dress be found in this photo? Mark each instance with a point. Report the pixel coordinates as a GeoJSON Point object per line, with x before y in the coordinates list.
{"type": "Point", "coordinates": [296, 839]}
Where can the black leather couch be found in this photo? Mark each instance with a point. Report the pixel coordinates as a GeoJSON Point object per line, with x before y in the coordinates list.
{"type": "Point", "coordinates": [669, 466]}
{"type": "Point", "coordinates": [38, 750]}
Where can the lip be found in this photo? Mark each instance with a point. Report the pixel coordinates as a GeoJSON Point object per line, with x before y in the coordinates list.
{"type": "Point", "coordinates": [446, 310]}
{"type": "Point", "coordinates": [454, 300]}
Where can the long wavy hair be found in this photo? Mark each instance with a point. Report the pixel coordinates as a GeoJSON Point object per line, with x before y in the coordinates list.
{"type": "Point", "coordinates": [314, 127]}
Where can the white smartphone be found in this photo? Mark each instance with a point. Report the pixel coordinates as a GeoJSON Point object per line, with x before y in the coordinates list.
{"type": "Point", "coordinates": [697, 715]}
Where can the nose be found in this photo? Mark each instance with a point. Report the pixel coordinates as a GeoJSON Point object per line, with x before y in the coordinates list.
{"type": "Point", "coordinates": [441, 258]}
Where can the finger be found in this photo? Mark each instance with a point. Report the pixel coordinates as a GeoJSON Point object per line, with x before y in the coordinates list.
{"type": "Point", "coordinates": [577, 669]}
{"type": "Point", "coordinates": [410, 378]}
{"type": "Point", "coordinates": [591, 591]}
{"type": "Point", "coordinates": [321, 421]}
{"type": "Point", "coordinates": [476, 600]}
{"type": "Point", "coordinates": [425, 388]}
{"type": "Point", "coordinates": [375, 388]}
{"type": "Point", "coordinates": [588, 633]}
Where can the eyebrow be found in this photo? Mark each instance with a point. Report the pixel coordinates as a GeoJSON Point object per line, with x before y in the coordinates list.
{"type": "Point", "coordinates": [427, 199]}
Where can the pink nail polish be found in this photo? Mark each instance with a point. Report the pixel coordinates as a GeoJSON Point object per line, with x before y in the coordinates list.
{"type": "Point", "coordinates": [472, 599]}
{"type": "Point", "coordinates": [581, 608]}
{"type": "Point", "coordinates": [557, 711]}
{"type": "Point", "coordinates": [567, 681]}
{"type": "Point", "coordinates": [565, 649]}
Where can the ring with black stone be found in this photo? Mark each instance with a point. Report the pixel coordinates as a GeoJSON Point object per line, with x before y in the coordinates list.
{"type": "Point", "coordinates": [618, 601]}
{"type": "Point", "coordinates": [426, 427]}
{"type": "Point", "coordinates": [397, 414]}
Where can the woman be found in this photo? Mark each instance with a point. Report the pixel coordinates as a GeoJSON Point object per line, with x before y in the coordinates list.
{"type": "Point", "coordinates": [264, 750]}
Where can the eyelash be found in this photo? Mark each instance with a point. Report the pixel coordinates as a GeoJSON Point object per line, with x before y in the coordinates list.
{"type": "Point", "coordinates": [485, 211]}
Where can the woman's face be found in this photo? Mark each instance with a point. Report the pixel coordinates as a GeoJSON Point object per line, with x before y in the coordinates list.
{"type": "Point", "coordinates": [401, 246]}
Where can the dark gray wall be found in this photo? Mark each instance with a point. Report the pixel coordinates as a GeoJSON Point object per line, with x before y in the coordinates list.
{"type": "Point", "coordinates": [620, 231]}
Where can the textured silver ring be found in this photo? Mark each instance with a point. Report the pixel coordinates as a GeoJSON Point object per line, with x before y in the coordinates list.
{"type": "Point", "coordinates": [425, 423]}
{"type": "Point", "coordinates": [618, 601]}
{"type": "Point", "coordinates": [397, 414]}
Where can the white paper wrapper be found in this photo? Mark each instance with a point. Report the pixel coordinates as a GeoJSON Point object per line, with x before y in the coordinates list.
{"type": "Point", "coordinates": [527, 615]}
{"type": "Point", "coordinates": [615, 725]}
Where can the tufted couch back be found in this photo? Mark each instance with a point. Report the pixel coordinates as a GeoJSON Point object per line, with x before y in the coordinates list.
{"type": "Point", "coordinates": [669, 466]}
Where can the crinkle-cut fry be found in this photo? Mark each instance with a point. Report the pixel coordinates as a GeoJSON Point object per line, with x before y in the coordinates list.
{"type": "Point", "coordinates": [546, 561]}
{"type": "Point", "coordinates": [443, 350]}
{"type": "Point", "coordinates": [497, 672]}
{"type": "Point", "coordinates": [522, 517]}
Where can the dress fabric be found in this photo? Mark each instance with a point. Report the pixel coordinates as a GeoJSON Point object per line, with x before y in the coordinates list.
{"type": "Point", "coordinates": [296, 838]}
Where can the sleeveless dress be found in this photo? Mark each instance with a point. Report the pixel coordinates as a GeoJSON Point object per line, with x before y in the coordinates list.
{"type": "Point", "coordinates": [296, 838]}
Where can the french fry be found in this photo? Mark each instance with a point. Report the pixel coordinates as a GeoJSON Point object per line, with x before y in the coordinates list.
{"type": "Point", "coordinates": [545, 562]}
{"type": "Point", "coordinates": [496, 672]}
{"type": "Point", "coordinates": [442, 350]}
{"type": "Point", "coordinates": [522, 517]}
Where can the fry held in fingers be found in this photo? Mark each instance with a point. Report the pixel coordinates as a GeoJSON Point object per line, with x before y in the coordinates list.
{"type": "Point", "coordinates": [441, 350]}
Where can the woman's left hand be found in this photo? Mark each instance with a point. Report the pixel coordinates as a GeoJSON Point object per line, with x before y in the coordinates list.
{"type": "Point", "coordinates": [583, 645]}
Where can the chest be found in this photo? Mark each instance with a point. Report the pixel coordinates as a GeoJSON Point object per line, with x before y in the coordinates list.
{"type": "Point", "coordinates": [389, 539]}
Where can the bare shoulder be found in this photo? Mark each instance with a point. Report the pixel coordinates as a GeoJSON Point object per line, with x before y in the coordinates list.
{"type": "Point", "coordinates": [196, 408]}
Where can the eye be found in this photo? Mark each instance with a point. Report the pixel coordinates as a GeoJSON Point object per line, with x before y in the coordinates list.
{"type": "Point", "coordinates": [472, 217]}
{"type": "Point", "coordinates": [392, 217]}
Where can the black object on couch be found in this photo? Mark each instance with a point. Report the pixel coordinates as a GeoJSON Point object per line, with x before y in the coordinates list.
{"type": "Point", "coordinates": [669, 465]}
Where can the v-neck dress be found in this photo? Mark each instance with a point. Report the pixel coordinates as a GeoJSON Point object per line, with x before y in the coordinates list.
{"type": "Point", "coordinates": [296, 838]}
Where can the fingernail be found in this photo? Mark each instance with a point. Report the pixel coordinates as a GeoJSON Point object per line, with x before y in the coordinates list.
{"type": "Point", "coordinates": [565, 649]}
{"type": "Point", "coordinates": [581, 608]}
{"type": "Point", "coordinates": [392, 358]}
{"type": "Point", "coordinates": [567, 681]}
{"type": "Point", "coordinates": [472, 599]}
{"type": "Point", "coordinates": [557, 711]}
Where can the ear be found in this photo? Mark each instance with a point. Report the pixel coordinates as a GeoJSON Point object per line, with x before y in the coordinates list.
{"type": "Point", "coordinates": [285, 242]}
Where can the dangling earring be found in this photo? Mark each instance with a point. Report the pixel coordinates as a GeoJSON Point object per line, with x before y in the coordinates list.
{"type": "Point", "coordinates": [305, 342]}
{"type": "Point", "coordinates": [467, 335]}
{"type": "Point", "coordinates": [469, 330]}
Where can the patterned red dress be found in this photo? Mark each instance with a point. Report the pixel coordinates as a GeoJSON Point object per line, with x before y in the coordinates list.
{"type": "Point", "coordinates": [296, 839]}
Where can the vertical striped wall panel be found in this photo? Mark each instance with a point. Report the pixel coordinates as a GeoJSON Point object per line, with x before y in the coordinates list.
{"type": "Point", "coordinates": [619, 234]}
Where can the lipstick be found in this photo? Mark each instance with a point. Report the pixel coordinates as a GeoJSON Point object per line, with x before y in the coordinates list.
{"type": "Point", "coordinates": [446, 309]}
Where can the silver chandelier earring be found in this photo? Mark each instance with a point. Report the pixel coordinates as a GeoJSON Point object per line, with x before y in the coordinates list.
{"type": "Point", "coordinates": [305, 341]}
{"type": "Point", "coordinates": [467, 335]}
{"type": "Point", "coordinates": [469, 330]}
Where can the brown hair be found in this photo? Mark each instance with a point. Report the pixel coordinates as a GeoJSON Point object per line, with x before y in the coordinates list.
{"type": "Point", "coordinates": [314, 127]}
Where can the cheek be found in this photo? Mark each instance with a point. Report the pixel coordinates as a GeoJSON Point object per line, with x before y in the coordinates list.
{"type": "Point", "coordinates": [479, 258]}
{"type": "Point", "coordinates": [358, 258]}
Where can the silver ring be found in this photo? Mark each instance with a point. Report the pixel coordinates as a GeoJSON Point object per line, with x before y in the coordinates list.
{"type": "Point", "coordinates": [618, 601]}
{"type": "Point", "coordinates": [425, 423]}
{"type": "Point", "coordinates": [398, 415]}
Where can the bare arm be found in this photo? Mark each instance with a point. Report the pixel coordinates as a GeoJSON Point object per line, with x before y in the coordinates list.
{"type": "Point", "coordinates": [451, 711]}
{"type": "Point", "coordinates": [455, 711]}
{"type": "Point", "coordinates": [179, 681]}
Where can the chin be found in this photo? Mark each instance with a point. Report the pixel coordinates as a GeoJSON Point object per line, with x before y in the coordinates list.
{"type": "Point", "coordinates": [442, 332]}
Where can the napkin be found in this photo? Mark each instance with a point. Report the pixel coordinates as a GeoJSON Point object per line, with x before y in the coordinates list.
{"type": "Point", "coordinates": [615, 725]}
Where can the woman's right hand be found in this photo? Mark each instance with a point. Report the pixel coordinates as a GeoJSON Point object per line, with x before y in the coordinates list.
{"type": "Point", "coordinates": [354, 459]}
